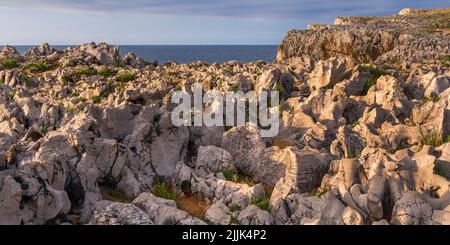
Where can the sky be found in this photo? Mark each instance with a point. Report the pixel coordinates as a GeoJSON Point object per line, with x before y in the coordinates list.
{"type": "Point", "coordinates": [178, 22]}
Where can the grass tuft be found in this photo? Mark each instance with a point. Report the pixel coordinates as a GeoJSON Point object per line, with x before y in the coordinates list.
{"type": "Point", "coordinates": [126, 77]}
{"type": "Point", "coordinates": [161, 189]}
{"type": "Point", "coordinates": [262, 203]}
{"type": "Point", "coordinates": [10, 63]}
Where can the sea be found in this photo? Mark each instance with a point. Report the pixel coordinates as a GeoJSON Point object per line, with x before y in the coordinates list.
{"type": "Point", "coordinates": [190, 53]}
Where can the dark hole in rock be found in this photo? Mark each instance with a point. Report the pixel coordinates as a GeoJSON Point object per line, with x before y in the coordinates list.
{"type": "Point", "coordinates": [75, 189]}
{"type": "Point", "coordinates": [186, 188]}
{"type": "Point", "coordinates": [107, 181]}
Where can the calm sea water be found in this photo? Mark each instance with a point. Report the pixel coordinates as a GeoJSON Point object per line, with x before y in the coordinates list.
{"type": "Point", "coordinates": [190, 53]}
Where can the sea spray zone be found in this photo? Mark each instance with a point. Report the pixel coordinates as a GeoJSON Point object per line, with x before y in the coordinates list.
{"type": "Point", "coordinates": [258, 108]}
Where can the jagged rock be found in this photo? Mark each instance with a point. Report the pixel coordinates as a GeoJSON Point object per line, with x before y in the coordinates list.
{"type": "Point", "coordinates": [218, 214]}
{"type": "Point", "coordinates": [441, 217]}
{"type": "Point", "coordinates": [330, 72]}
{"type": "Point", "coordinates": [244, 196]}
{"type": "Point", "coordinates": [387, 41]}
{"type": "Point", "coordinates": [245, 146]}
{"type": "Point", "coordinates": [444, 160]}
{"type": "Point", "coordinates": [272, 165]}
{"type": "Point", "coordinates": [434, 116]}
{"type": "Point", "coordinates": [10, 197]}
{"type": "Point", "coordinates": [381, 222]}
{"type": "Point", "coordinates": [297, 209]}
{"type": "Point", "coordinates": [253, 215]}
{"type": "Point", "coordinates": [275, 80]}
{"type": "Point", "coordinates": [131, 59]}
{"type": "Point", "coordinates": [212, 159]}
{"type": "Point", "coordinates": [304, 172]}
{"type": "Point", "coordinates": [352, 217]}
{"type": "Point", "coordinates": [9, 52]}
{"type": "Point", "coordinates": [110, 213]}
{"type": "Point", "coordinates": [411, 209]}
{"type": "Point", "coordinates": [43, 50]}
{"type": "Point", "coordinates": [164, 212]}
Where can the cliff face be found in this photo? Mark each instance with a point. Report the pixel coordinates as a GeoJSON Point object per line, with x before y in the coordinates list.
{"type": "Point", "coordinates": [412, 36]}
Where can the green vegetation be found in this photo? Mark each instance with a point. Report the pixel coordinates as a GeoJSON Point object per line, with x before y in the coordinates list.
{"type": "Point", "coordinates": [126, 77]}
{"type": "Point", "coordinates": [26, 80]}
{"type": "Point", "coordinates": [319, 192]}
{"type": "Point", "coordinates": [440, 170]}
{"type": "Point", "coordinates": [234, 209]}
{"type": "Point", "coordinates": [119, 64]}
{"type": "Point", "coordinates": [230, 71]}
{"type": "Point", "coordinates": [44, 131]}
{"type": "Point", "coordinates": [106, 72]}
{"type": "Point", "coordinates": [9, 63]}
{"type": "Point", "coordinates": [446, 60]}
{"type": "Point", "coordinates": [230, 175]}
{"type": "Point", "coordinates": [66, 79]}
{"type": "Point", "coordinates": [38, 67]}
{"type": "Point", "coordinates": [233, 88]}
{"type": "Point", "coordinates": [2, 81]}
{"type": "Point", "coordinates": [177, 88]}
{"type": "Point", "coordinates": [80, 100]}
{"type": "Point", "coordinates": [368, 84]}
{"type": "Point", "coordinates": [352, 153]}
{"type": "Point", "coordinates": [234, 221]}
{"type": "Point", "coordinates": [96, 99]}
{"type": "Point", "coordinates": [72, 108]}
{"type": "Point", "coordinates": [375, 73]}
{"type": "Point", "coordinates": [433, 98]}
{"type": "Point", "coordinates": [279, 88]}
{"type": "Point", "coordinates": [84, 71]}
{"type": "Point", "coordinates": [262, 203]}
{"type": "Point", "coordinates": [329, 86]}
{"type": "Point", "coordinates": [160, 189]}
{"type": "Point", "coordinates": [104, 94]}
{"type": "Point", "coordinates": [434, 139]}
{"type": "Point", "coordinates": [38, 104]}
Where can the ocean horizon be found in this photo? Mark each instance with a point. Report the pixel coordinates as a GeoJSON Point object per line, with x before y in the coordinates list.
{"type": "Point", "coordinates": [190, 53]}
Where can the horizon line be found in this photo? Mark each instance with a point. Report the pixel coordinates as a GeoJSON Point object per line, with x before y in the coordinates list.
{"type": "Point", "coordinates": [145, 44]}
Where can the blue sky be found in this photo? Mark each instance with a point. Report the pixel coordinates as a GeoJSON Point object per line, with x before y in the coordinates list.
{"type": "Point", "coordinates": [178, 21]}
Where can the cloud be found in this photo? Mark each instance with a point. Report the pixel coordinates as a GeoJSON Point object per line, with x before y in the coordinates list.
{"type": "Point", "coordinates": [264, 9]}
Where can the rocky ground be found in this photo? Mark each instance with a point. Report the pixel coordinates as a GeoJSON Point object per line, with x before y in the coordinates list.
{"type": "Point", "coordinates": [86, 137]}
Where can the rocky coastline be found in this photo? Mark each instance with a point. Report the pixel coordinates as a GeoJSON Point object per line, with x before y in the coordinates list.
{"type": "Point", "coordinates": [86, 136]}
